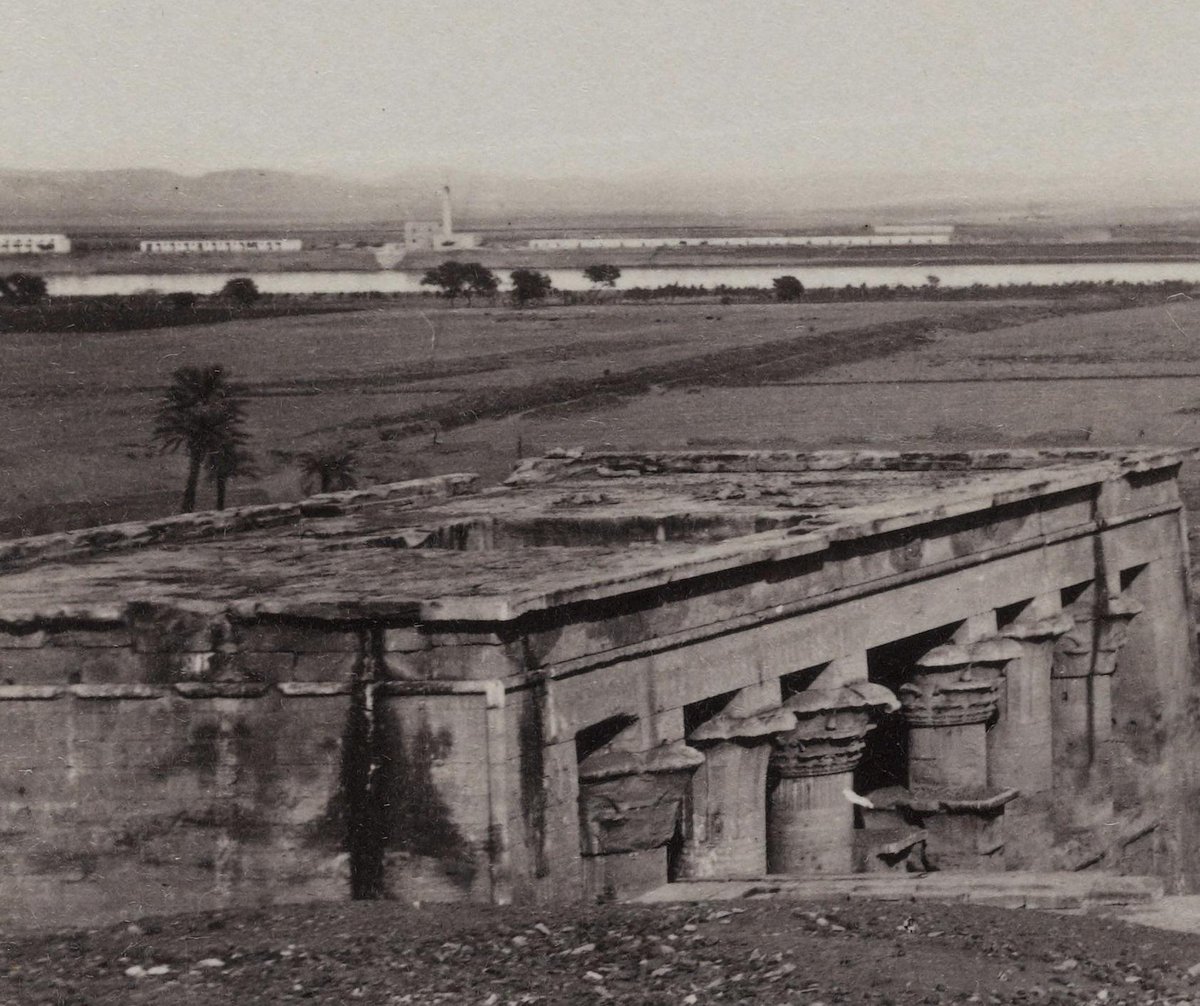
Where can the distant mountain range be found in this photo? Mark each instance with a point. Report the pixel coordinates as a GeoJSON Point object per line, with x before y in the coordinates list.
{"type": "Point", "coordinates": [152, 200]}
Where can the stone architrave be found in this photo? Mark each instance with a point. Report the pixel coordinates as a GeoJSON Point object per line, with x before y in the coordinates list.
{"type": "Point", "coordinates": [730, 790]}
{"type": "Point", "coordinates": [629, 806]}
{"type": "Point", "coordinates": [810, 820]}
{"type": "Point", "coordinates": [1085, 660]}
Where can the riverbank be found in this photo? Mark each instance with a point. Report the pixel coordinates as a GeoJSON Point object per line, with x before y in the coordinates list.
{"type": "Point", "coordinates": [123, 314]}
{"type": "Point", "coordinates": [363, 259]}
{"type": "Point", "coordinates": [1019, 279]}
{"type": "Point", "coordinates": [699, 255]}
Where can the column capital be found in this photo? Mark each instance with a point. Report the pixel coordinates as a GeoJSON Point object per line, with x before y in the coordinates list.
{"type": "Point", "coordinates": [992, 655]}
{"type": "Point", "coordinates": [952, 686]}
{"type": "Point", "coordinates": [629, 800]}
{"type": "Point", "coordinates": [828, 729]}
{"type": "Point", "coordinates": [1039, 630]}
{"type": "Point", "coordinates": [1092, 645]}
{"type": "Point", "coordinates": [675, 757]}
{"type": "Point", "coordinates": [756, 726]}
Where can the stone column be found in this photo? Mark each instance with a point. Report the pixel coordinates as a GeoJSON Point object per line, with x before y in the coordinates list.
{"type": "Point", "coordinates": [629, 806]}
{"type": "Point", "coordinates": [729, 794]}
{"type": "Point", "coordinates": [947, 708]}
{"type": "Point", "coordinates": [1020, 753]}
{"type": "Point", "coordinates": [951, 696]}
{"type": "Point", "coordinates": [810, 820]}
{"type": "Point", "coordinates": [1085, 660]}
{"type": "Point", "coordinates": [1019, 745]}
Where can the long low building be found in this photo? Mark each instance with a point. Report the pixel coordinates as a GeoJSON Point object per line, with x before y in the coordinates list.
{"type": "Point", "coordinates": [34, 244]}
{"type": "Point", "coordinates": [947, 229]}
{"type": "Point", "coordinates": [193, 246]}
{"type": "Point", "coordinates": [804, 240]}
{"type": "Point", "coordinates": [618, 671]}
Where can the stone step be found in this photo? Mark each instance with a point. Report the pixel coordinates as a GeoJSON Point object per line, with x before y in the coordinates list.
{"type": "Point", "coordinates": [1012, 889]}
{"type": "Point", "coordinates": [1177, 912]}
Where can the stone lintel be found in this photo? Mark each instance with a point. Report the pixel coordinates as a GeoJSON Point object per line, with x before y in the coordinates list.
{"type": "Point", "coordinates": [310, 688]}
{"type": "Point", "coordinates": [221, 689]}
{"type": "Point", "coordinates": [124, 690]}
{"type": "Point", "coordinates": [988, 803]}
{"type": "Point", "coordinates": [27, 693]}
{"type": "Point", "coordinates": [928, 801]}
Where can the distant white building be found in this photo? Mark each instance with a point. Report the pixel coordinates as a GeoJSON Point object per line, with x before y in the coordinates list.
{"type": "Point", "coordinates": [797, 240]}
{"type": "Point", "coordinates": [946, 229]}
{"type": "Point", "coordinates": [432, 235]}
{"type": "Point", "coordinates": [194, 246]}
{"type": "Point", "coordinates": [34, 244]}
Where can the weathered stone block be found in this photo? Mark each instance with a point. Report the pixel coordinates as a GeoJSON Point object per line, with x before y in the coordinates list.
{"type": "Point", "coordinates": [295, 638]}
{"type": "Point", "coordinates": [404, 640]}
{"type": "Point", "coordinates": [267, 667]}
{"type": "Point", "coordinates": [623, 875]}
{"type": "Point", "coordinates": [80, 639]}
{"type": "Point", "coordinates": [329, 666]}
{"type": "Point", "coordinates": [30, 640]}
{"type": "Point", "coordinates": [51, 664]}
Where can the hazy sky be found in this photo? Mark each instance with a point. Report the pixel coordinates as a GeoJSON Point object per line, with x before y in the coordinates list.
{"type": "Point", "coordinates": [593, 87]}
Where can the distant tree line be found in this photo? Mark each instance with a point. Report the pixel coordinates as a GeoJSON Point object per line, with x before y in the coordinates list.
{"type": "Point", "coordinates": [462, 279]}
{"type": "Point", "coordinates": [22, 289]}
{"type": "Point", "coordinates": [26, 306]}
{"type": "Point", "coordinates": [929, 291]}
{"type": "Point", "coordinates": [471, 279]}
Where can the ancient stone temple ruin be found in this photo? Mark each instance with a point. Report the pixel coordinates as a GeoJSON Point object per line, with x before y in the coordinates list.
{"type": "Point", "coordinates": [613, 672]}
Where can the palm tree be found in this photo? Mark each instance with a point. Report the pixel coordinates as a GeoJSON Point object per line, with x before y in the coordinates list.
{"type": "Point", "coordinates": [328, 469]}
{"type": "Point", "coordinates": [229, 461]}
{"type": "Point", "coordinates": [203, 413]}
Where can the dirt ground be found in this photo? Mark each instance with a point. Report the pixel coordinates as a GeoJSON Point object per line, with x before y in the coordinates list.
{"type": "Point", "coordinates": [761, 952]}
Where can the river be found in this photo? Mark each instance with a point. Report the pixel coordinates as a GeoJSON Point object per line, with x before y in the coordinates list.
{"type": "Point", "coordinates": [992, 274]}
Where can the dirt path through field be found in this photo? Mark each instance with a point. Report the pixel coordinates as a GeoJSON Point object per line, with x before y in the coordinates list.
{"type": "Point", "coordinates": [773, 361]}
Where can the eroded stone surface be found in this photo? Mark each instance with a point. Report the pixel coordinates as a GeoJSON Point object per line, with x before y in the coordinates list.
{"type": "Point", "coordinates": [573, 685]}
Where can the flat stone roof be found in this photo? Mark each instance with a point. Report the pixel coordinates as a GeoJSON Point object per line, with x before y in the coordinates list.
{"type": "Point", "coordinates": [565, 528]}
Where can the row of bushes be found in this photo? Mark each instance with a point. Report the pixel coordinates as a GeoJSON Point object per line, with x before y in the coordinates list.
{"type": "Point", "coordinates": [151, 310]}
{"type": "Point", "coordinates": [863, 292]}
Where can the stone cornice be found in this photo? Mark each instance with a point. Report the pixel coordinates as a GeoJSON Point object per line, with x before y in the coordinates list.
{"type": "Point", "coordinates": [1004, 479]}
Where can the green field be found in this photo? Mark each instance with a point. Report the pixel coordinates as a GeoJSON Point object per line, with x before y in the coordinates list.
{"type": "Point", "coordinates": [495, 383]}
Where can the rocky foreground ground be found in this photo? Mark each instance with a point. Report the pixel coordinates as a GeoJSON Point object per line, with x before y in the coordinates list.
{"type": "Point", "coordinates": [761, 952]}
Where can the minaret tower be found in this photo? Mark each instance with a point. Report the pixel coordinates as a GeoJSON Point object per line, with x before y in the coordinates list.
{"type": "Point", "coordinates": [447, 221]}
